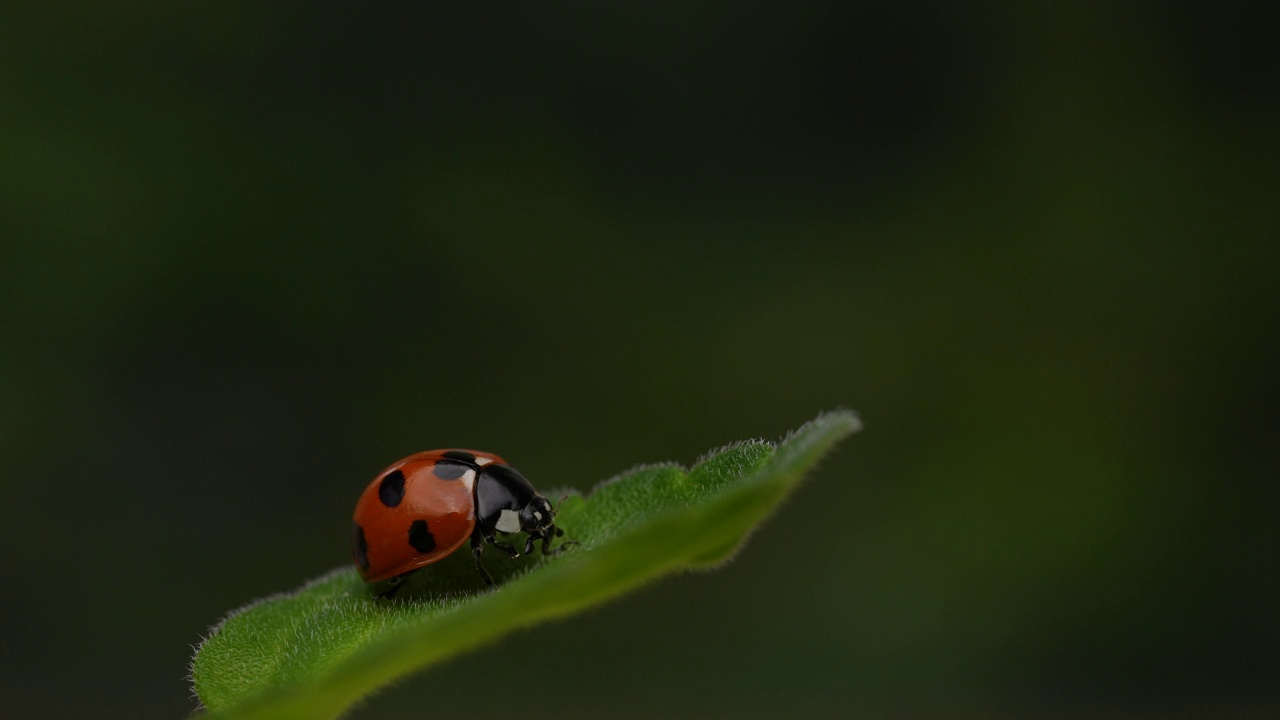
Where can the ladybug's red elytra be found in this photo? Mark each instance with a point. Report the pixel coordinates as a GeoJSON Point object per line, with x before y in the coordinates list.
{"type": "Point", "coordinates": [423, 507]}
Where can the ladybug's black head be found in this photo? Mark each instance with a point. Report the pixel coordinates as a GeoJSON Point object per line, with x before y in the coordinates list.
{"type": "Point", "coordinates": [537, 517]}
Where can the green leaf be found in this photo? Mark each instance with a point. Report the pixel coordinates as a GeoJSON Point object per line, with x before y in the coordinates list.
{"type": "Point", "coordinates": [314, 652]}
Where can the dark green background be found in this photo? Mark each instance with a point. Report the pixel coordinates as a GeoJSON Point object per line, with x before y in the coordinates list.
{"type": "Point", "coordinates": [251, 254]}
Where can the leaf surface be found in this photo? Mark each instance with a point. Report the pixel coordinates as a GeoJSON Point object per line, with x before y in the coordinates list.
{"type": "Point", "coordinates": [313, 652]}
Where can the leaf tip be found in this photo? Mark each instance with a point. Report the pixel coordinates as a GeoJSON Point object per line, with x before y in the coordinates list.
{"type": "Point", "coordinates": [846, 420]}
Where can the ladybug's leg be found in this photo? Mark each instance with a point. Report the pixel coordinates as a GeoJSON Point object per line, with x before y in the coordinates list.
{"type": "Point", "coordinates": [395, 584]}
{"type": "Point", "coordinates": [392, 592]}
{"type": "Point", "coordinates": [477, 550]}
{"type": "Point", "coordinates": [504, 547]}
{"type": "Point", "coordinates": [546, 542]}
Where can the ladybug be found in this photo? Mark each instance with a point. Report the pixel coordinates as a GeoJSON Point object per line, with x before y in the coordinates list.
{"type": "Point", "coordinates": [422, 508]}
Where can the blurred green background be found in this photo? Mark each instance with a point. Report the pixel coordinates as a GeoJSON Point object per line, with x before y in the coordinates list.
{"type": "Point", "coordinates": [251, 254]}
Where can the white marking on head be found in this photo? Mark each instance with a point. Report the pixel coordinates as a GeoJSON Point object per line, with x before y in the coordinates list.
{"type": "Point", "coordinates": [508, 521]}
{"type": "Point", "coordinates": [469, 479]}
{"type": "Point", "coordinates": [537, 514]}
{"type": "Point", "coordinates": [482, 461]}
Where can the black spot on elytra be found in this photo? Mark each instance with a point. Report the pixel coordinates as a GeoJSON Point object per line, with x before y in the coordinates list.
{"type": "Point", "coordinates": [391, 489]}
{"type": "Point", "coordinates": [420, 537]}
{"type": "Point", "coordinates": [450, 470]}
{"type": "Point", "coordinates": [359, 549]}
{"type": "Point", "coordinates": [461, 455]}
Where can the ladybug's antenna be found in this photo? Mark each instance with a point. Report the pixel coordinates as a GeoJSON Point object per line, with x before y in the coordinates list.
{"type": "Point", "coordinates": [564, 497]}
